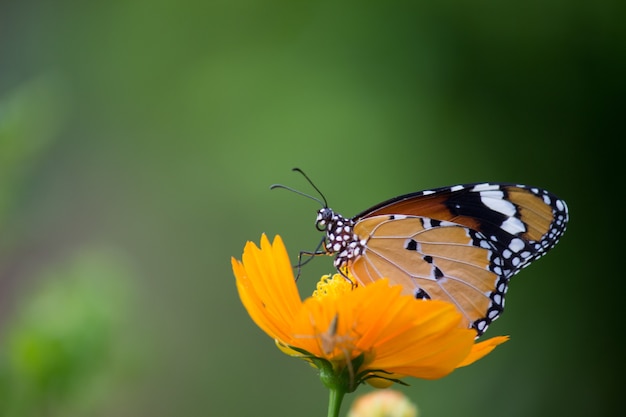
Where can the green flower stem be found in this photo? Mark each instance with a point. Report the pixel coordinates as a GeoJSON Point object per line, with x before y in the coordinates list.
{"type": "Point", "coordinates": [334, 401]}
{"type": "Point", "coordinates": [338, 381]}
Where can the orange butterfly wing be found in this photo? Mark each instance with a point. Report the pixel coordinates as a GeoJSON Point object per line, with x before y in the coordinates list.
{"type": "Point", "coordinates": [444, 264]}
{"type": "Point", "coordinates": [459, 244]}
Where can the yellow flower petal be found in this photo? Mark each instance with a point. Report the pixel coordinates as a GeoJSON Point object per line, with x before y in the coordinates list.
{"type": "Point", "coordinates": [427, 341]}
{"type": "Point", "coordinates": [266, 286]}
{"type": "Point", "coordinates": [482, 349]}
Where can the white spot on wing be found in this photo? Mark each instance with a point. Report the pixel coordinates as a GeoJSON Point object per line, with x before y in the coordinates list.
{"type": "Point", "coordinates": [516, 245]}
{"type": "Point", "coordinates": [445, 223]}
{"type": "Point", "coordinates": [495, 201]}
{"type": "Point", "coordinates": [485, 187]}
{"type": "Point", "coordinates": [513, 226]}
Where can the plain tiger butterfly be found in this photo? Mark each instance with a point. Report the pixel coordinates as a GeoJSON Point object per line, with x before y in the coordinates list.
{"type": "Point", "coordinates": [460, 244]}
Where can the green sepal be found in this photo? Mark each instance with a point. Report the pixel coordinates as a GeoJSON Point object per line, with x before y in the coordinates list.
{"type": "Point", "coordinates": [376, 373]}
{"type": "Point", "coordinates": [345, 379]}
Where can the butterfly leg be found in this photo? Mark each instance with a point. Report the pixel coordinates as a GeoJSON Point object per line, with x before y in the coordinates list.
{"type": "Point", "coordinates": [317, 252]}
{"type": "Point", "coordinates": [343, 274]}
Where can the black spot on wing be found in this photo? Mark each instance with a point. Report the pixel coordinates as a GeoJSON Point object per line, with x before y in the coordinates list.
{"type": "Point", "coordinates": [420, 294]}
{"type": "Point", "coordinates": [411, 244]}
{"type": "Point", "coordinates": [437, 273]}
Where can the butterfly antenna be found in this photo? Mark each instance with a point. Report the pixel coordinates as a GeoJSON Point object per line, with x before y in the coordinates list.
{"type": "Point", "coordinates": [293, 190]}
{"type": "Point", "coordinates": [322, 202]}
{"type": "Point", "coordinates": [312, 185]}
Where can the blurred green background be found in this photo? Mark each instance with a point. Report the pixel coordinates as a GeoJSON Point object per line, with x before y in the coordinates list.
{"type": "Point", "coordinates": [138, 140]}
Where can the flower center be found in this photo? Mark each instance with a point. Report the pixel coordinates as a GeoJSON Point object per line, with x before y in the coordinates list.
{"type": "Point", "coordinates": [332, 286]}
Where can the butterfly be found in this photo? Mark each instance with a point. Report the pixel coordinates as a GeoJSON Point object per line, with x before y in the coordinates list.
{"type": "Point", "coordinates": [460, 244]}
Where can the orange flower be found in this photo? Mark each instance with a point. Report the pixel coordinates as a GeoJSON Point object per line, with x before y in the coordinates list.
{"type": "Point", "coordinates": [370, 333]}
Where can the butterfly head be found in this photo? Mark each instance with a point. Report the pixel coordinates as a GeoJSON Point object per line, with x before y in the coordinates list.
{"type": "Point", "coordinates": [325, 216]}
